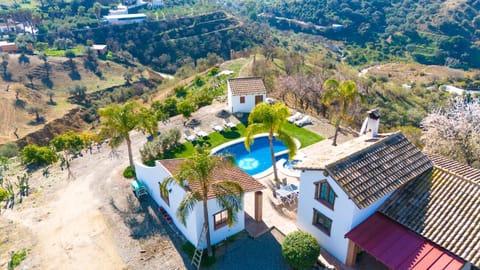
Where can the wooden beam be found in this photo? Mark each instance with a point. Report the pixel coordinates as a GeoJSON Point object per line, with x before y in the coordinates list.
{"type": "Point", "coordinates": [351, 254]}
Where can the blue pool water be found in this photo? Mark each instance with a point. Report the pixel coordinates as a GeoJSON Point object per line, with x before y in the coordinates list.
{"type": "Point", "coordinates": [258, 159]}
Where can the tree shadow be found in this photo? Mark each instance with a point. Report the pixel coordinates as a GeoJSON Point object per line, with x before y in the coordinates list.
{"type": "Point", "coordinates": [231, 134]}
{"type": "Point", "coordinates": [23, 59]}
{"type": "Point", "coordinates": [36, 122]}
{"type": "Point", "coordinates": [19, 103]}
{"type": "Point", "coordinates": [171, 153]}
{"type": "Point", "coordinates": [140, 216]}
{"type": "Point", "coordinates": [52, 103]}
{"type": "Point", "coordinates": [74, 75]}
{"type": "Point", "coordinates": [47, 82]}
{"type": "Point", "coordinates": [7, 77]}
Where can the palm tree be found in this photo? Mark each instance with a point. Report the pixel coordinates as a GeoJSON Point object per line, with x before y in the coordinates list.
{"type": "Point", "coordinates": [200, 169]}
{"type": "Point", "coordinates": [343, 94]}
{"type": "Point", "coordinates": [266, 118]}
{"type": "Point", "coordinates": [119, 121]}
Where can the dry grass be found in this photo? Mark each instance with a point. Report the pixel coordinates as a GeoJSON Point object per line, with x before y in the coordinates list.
{"type": "Point", "coordinates": [15, 117]}
{"type": "Point", "coordinates": [408, 73]}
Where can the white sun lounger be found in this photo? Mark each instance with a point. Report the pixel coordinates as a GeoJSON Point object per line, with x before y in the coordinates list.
{"type": "Point", "coordinates": [200, 133]}
{"type": "Point", "coordinates": [294, 117]}
{"type": "Point", "coordinates": [228, 124]}
{"type": "Point", "coordinates": [217, 128]}
{"type": "Point", "coordinates": [189, 136]}
{"type": "Point", "coordinates": [304, 121]}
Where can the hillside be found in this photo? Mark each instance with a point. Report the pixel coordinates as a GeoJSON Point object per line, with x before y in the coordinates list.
{"type": "Point", "coordinates": [443, 32]}
{"type": "Point", "coordinates": [14, 114]}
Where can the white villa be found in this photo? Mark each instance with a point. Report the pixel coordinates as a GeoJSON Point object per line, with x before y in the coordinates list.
{"type": "Point", "coordinates": [244, 93]}
{"type": "Point", "coordinates": [151, 177]}
{"type": "Point", "coordinates": [382, 195]}
{"type": "Point", "coordinates": [125, 18]}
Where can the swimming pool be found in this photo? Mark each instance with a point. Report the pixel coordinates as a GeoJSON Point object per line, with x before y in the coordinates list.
{"type": "Point", "coordinates": [258, 159]}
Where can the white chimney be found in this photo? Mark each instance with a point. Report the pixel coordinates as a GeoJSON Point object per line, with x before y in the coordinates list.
{"type": "Point", "coordinates": [371, 123]}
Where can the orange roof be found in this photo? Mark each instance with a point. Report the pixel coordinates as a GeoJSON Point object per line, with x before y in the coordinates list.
{"type": "Point", "coordinates": [247, 86]}
{"type": "Point", "coordinates": [233, 173]}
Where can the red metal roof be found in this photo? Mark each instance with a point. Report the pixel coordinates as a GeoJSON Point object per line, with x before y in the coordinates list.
{"type": "Point", "coordinates": [399, 248]}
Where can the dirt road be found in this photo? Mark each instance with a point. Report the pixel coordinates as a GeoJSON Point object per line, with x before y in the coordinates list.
{"type": "Point", "coordinates": [85, 222]}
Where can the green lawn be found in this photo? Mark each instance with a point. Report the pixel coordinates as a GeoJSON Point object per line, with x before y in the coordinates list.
{"type": "Point", "coordinates": [78, 50]}
{"type": "Point", "coordinates": [215, 139]}
{"type": "Point", "coordinates": [305, 136]}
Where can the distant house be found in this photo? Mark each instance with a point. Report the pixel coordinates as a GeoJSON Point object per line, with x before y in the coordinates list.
{"type": "Point", "coordinates": [380, 194]}
{"type": "Point", "coordinates": [118, 10]}
{"type": "Point", "coordinates": [151, 177]}
{"type": "Point", "coordinates": [101, 49]}
{"type": "Point", "coordinates": [125, 18]}
{"type": "Point", "coordinates": [245, 93]}
{"type": "Point", "coordinates": [6, 46]}
{"type": "Point", "coordinates": [157, 3]}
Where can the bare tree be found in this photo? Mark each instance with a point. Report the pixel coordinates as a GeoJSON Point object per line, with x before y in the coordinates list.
{"type": "Point", "coordinates": [50, 94]}
{"type": "Point", "coordinates": [454, 131]}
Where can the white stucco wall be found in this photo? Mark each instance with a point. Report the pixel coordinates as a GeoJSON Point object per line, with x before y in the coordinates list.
{"type": "Point", "coordinates": [229, 98]}
{"type": "Point", "coordinates": [341, 216]}
{"type": "Point", "coordinates": [220, 234]}
{"type": "Point", "coordinates": [150, 176]}
{"type": "Point", "coordinates": [234, 105]}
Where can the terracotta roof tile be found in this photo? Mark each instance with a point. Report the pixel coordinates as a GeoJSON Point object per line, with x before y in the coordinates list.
{"type": "Point", "coordinates": [447, 164]}
{"type": "Point", "coordinates": [233, 173]}
{"type": "Point", "coordinates": [371, 173]}
{"type": "Point", "coordinates": [247, 86]}
{"type": "Point", "coordinates": [442, 206]}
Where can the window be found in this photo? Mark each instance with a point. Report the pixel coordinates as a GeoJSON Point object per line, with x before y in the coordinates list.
{"type": "Point", "coordinates": [258, 99]}
{"type": "Point", "coordinates": [324, 194]}
{"type": "Point", "coordinates": [242, 100]}
{"type": "Point", "coordinates": [220, 219]}
{"type": "Point", "coordinates": [322, 222]}
{"type": "Point", "coordinates": [165, 198]}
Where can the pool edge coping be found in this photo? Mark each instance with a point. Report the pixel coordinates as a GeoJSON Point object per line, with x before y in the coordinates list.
{"type": "Point", "coordinates": [242, 139]}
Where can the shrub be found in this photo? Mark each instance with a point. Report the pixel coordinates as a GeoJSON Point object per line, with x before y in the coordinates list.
{"type": "Point", "coordinates": [17, 258]}
{"type": "Point", "coordinates": [186, 108]}
{"type": "Point", "coordinates": [70, 141]}
{"type": "Point", "coordinates": [159, 145]}
{"type": "Point", "coordinates": [300, 249]}
{"type": "Point", "coordinates": [38, 155]}
{"type": "Point", "coordinates": [9, 150]}
{"type": "Point", "coordinates": [129, 172]}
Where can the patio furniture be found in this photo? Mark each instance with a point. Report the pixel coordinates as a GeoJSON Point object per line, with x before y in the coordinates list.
{"type": "Point", "coordinates": [217, 128]}
{"type": "Point", "coordinates": [200, 133]}
{"type": "Point", "coordinates": [189, 136]}
{"type": "Point", "coordinates": [297, 116]}
{"type": "Point", "coordinates": [304, 121]}
{"type": "Point", "coordinates": [284, 181]}
{"type": "Point", "coordinates": [228, 124]}
{"type": "Point", "coordinates": [286, 191]}
{"type": "Point", "coordinates": [223, 114]}
{"type": "Point", "coordinates": [193, 123]}
{"type": "Point", "coordinates": [138, 188]}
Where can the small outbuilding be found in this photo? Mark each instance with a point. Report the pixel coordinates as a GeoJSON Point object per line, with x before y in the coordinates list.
{"type": "Point", "coordinates": [245, 93]}
{"type": "Point", "coordinates": [101, 49]}
{"type": "Point", "coordinates": [6, 46]}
